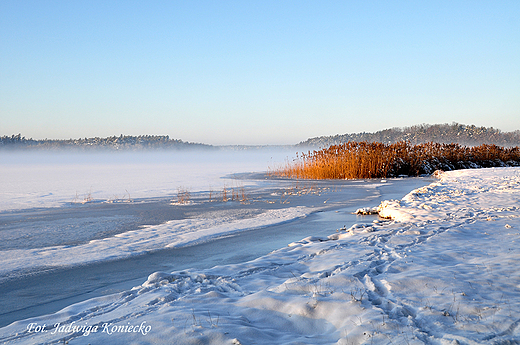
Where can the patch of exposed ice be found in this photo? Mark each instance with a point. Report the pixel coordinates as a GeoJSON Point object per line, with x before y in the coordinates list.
{"type": "Point", "coordinates": [174, 233]}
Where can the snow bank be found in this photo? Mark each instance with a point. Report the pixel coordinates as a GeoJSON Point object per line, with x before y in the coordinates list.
{"type": "Point", "coordinates": [491, 186]}
{"type": "Point", "coordinates": [174, 233]}
{"type": "Point", "coordinates": [442, 271]}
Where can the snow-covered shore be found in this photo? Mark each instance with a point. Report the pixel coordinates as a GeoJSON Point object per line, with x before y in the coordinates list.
{"type": "Point", "coordinates": [441, 270]}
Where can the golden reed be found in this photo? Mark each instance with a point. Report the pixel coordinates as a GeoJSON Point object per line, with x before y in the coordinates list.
{"type": "Point", "coordinates": [354, 160]}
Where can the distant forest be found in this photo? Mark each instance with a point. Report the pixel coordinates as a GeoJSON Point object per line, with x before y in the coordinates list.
{"type": "Point", "coordinates": [122, 142]}
{"type": "Point", "coordinates": [441, 133]}
{"type": "Point", "coordinates": [467, 135]}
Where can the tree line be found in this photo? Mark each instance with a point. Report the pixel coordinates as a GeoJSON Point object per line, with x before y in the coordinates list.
{"type": "Point", "coordinates": [468, 135]}
{"type": "Point", "coordinates": [122, 142]}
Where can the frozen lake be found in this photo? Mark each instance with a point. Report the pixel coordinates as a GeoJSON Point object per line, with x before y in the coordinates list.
{"type": "Point", "coordinates": [58, 249]}
{"type": "Point", "coordinates": [44, 179]}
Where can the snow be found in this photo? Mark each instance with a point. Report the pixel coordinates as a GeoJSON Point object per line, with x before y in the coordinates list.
{"type": "Point", "coordinates": [174, 233]}
{"type": "Point", "coordinates": [439, 268]}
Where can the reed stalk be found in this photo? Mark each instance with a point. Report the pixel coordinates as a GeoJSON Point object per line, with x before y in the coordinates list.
{"type": "Point", "coordinates": [355, 160]}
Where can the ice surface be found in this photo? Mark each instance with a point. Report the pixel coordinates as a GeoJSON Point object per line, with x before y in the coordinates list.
{"type": "Point", "coordinates": [39, 179]}
{"type": "Point", "coordinates": [174, 233]}
{"type": "Point", "coordinates": [442, 269]}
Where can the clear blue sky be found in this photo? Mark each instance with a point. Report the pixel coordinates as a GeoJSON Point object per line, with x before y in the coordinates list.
{"type": "Point", "coordinates": [255, 72]}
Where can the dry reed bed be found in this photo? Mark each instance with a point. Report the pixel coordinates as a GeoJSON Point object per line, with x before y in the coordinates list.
{"type": "Point", "coordinates": [353, 160]}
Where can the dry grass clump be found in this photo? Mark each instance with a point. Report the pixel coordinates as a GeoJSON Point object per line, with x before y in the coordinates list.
{"type": "Point", "coordinates": [183, 196]}
{"type": "Point", "coordinates": [86, 198]}
{"type": "Point", "coordinates": [353, 160]}
{"type": "Point", "coordinates": [235, 194]}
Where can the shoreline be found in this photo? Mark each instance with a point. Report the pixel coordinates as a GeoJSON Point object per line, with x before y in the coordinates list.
{"type": "Point", "coordinates": [112, 281]}
{"type": "Point", "coordinates": [441, 269]}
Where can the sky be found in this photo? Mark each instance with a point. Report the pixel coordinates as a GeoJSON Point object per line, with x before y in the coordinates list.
{"type": "Point", "coordinates": [255, 72]}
